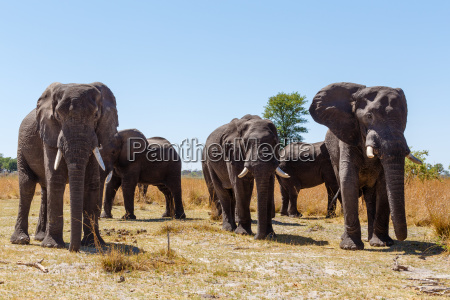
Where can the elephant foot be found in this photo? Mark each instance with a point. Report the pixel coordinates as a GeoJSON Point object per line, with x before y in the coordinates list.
{"type": "Point", "coordinates": [166, 214]}
{"type": "Point", "coordinates": [244, 229]}
{"type": "Point", "coordinates": [228, 226]}
{"type": "Point", "coordinates": [296, 214]}
{"type": "Point", "coordinates": [89, 240]}
{"type": "Point", "coordinates": [106, 215]}
{"type": "Point", "coordinates": [39, 236]}
{"type": "Point", "coordinates": [128, 216]}
{"type": "Point", "coordinates": [180, 215]}
{"type": "Point", "coordinates": [330, 215]}
{"type": "Point", "coordinates": [351, 243]}
{"type": "Point", "coordinates": [262, 236]}
{"type": "Point", "coordinates": [51, 242]}
{"type": "Point", "coordinates": [284, 213]}
{"type": "Point", "coordinates": [381, 240]}
{"type": "Point", "coordinates": [19, 237]}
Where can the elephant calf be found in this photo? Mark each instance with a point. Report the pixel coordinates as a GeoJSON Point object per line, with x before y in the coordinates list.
{"type": "Point", "coordinates": [309, 165]}
{"type": "Point", "coordinates": [136, 159]}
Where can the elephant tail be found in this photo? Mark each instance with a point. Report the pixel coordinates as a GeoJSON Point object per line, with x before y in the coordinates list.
{"type": "Point", "coordinates": [333, 201]}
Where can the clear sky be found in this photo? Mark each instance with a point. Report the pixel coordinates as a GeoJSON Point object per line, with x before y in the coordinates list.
{"type": "Point", "coordinates": [180, 69]}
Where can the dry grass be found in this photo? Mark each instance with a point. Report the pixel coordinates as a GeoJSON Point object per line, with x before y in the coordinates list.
{"type": "Point", "coordinates": [119, 259]}
{"type": "Point", "coordinates": [303, 261]}
{"type": "Point", "coordinates": [186, 228]}
{"type": "Point", "coordinates": [427, 204]}
{"type": "Point", "coordinates": [9, 187]}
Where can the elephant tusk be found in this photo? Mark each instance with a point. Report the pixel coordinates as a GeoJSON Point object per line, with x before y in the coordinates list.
{"type": "Point", "coordinates": [58, 159]}
{"type": "Point", "coordinates": [99, 158]}
{"type": "Point", "coordinates": [108, 179]}
{"type": "Point", "coordinates": [281, 173]}
{"type": "Point", "coordinates": [369, 152]}
{"type": "Point", "coordinates": [414, 159]}
{"type": "Point", "coordinates": [243, 173]}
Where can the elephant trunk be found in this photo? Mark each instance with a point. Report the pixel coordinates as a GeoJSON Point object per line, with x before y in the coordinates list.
{"type": "Point", "coordinates": [394, 173]}
{"type": "Point", "coordinates": [76, 184]}
{"type": "Point", "coordinates": [265, 190]}
{"type": "Point", "coordinates": [77, 149]}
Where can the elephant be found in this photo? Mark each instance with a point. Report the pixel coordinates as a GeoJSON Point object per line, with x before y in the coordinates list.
{"type": "Point", "coordinates": [367, 148]}
{"type": "Point", "coordinates": [235, 156]}
{"type": "Point", "coordinates": [58, 144]}
{"type": "Point", "coordinates": [309, 165]}
{"type": "Point", "coordinates": [135, 159]}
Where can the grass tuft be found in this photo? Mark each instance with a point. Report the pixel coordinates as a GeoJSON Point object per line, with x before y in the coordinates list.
{"type": "Point", "coordinates": [117, 259]}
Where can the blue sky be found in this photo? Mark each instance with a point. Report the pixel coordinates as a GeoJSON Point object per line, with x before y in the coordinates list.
{"type": "Point", "coordinates": [180, 69]}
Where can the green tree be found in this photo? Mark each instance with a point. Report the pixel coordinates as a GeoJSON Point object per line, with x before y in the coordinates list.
{"type": "Point", "coordinates": [12, 165]}
{"type": "Point", "coordinates": [8, 163]}
{"type": "Point", "coordinates": [424, 171]}
{"type": "Point", "coordinates": [287, 112]}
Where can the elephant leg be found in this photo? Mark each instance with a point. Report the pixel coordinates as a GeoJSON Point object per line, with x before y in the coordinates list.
{"type": "Point", "coordinates": [56, 185]}
{"type": "Point", "coordinates": [42, 221]}
{"type": "Point", "coordinates": [110, 193]}
{"type": "Point", "coordinates": [227, 202]}
{"type": "Point", "coordinates": [144, 190]}
{"type": "Point", "coordinates": [243, 192]}
{"type": "Point", "coordinates": [170, 209]}
{"type": "Point", "coordinates": [284, 200]}
{"type": "Point", "coordinates": [349, 182]}
{"type": "Point", "coordinates": [214, 201]}
{"type": "Point", "coordinates": [331, 208]}
{"type": "Point", "coordinates": [292, 208]}
{"type": "Point", "coordinates": [370, 200]}
{"type": "Point", "coordinates": [128, 188]}
{"type": "Point", "coordinates": [380, 235]}
{"type": "Point", "coordinates": [174, 186]}
{"type": "Point", "coordinates": [27, 186]}
{"type": "Point", "coordinates": [91, 207]}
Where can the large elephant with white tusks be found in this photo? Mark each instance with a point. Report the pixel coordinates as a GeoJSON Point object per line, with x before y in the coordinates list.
{"type": "Point", "coordinates": [58, 144]}
{"type": "Point", "coordinates": [235, 156]}
{"type": "Point", "coordinates": [367, 149]}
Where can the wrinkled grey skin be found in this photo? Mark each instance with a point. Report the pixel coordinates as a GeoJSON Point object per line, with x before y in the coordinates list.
{"type": "Point", "coordinates": [308, 165]}
{"type": "Point", "coordinates": [74, 118]}
{"type": "Point", "coordinates": [147, 168]}
{"type": "Point", "coordinates": [214, 202]}
{"type": "Point", "coordinates": [221, 173]}
{"type": "Point", "coordinates": [358, 117]}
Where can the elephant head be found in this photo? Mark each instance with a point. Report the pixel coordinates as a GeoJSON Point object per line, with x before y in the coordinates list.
{"type": "Point", "coordinates": [123, 147]}
{"type": "Point", "coordinates": [372, 119]}
{"type": "Point", "coordinates": [76, 119]}
{"type": "Point", "coordinates": [251, 151]}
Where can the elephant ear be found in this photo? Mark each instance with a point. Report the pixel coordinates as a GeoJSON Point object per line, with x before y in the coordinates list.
{"type": "Point", "coordinates": [47, 125]}
{"type": "Point", "coordinates": [404, 107]}
{"type": "Point", "coordinates": [108, 121]}
{"type": "Point", "coordinates": [233, 133]}
{"type": "Point", "coordinates": [333, 107]}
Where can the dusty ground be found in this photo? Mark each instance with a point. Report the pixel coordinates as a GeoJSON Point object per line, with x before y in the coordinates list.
{"type": "Point", "coordinates": [304, 261]}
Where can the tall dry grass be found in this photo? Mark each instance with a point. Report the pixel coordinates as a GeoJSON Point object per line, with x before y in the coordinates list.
{"type": "Point", "coordinates": [427, 203]}
{"type": "Point", "coordinates": [9, 187]}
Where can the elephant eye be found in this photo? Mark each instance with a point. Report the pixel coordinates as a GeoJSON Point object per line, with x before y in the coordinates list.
{"type": "Point", "coordinates": [369, 116]}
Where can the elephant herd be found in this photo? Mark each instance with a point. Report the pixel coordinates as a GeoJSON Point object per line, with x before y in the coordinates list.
{"type": "Point", "coordinates": [71, 137]}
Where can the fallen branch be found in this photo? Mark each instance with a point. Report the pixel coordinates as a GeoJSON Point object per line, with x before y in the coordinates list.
{"type": "Point", "coordinates": [35, 265]}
